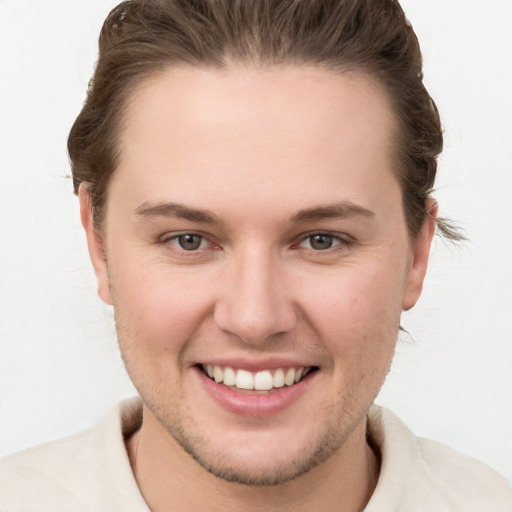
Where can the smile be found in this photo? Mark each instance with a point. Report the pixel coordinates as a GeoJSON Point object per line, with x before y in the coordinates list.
{"type": "Point", "coordinates": [266, 380]}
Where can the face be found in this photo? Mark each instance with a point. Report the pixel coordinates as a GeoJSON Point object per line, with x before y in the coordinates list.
{"type": "Point", "coordinates": [256, 254]}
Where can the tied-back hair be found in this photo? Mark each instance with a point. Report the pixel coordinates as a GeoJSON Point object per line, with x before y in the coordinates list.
{"type": "Point", "coordinates": [141, 38]}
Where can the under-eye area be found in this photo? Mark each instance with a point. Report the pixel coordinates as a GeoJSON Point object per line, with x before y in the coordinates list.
{"type": "Point", "coordinates": [264, 381]}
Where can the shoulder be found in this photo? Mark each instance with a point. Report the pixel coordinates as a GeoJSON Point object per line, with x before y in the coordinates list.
{"type": "Point", "coordinates": [76, 473]}
{"type": "Point", "coordinates": [463, 479]}
{"type": "Point", "coordinates": [54, 472]}
{"type": "Point", "coordinates": [422, 475]}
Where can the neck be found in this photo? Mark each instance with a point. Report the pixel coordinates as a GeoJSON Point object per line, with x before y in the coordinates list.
{"type": "Point", "coordinates": [166, 474]}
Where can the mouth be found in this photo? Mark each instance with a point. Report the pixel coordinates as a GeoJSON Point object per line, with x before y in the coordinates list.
{"type": "Point", "coordinates": [262, 382]}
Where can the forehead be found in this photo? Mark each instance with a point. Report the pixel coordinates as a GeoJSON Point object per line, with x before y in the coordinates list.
{"type": "Point", "coordinates": [304, 132]}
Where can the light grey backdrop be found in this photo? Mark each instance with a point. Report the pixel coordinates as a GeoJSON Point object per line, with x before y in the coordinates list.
{"type": "Point", "coordinates": [59, 366]}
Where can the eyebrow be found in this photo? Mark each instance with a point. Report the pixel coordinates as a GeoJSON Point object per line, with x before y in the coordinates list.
{"type": "Point", "coordinates": [166, 209]}
{"type": "Point", "coordinates": [345, 209]}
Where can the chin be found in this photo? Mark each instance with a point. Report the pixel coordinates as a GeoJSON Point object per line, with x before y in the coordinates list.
{"type": "Point", "coordinates": [276, 462]}
{"type": "Point", "coordinates": [259, 474]}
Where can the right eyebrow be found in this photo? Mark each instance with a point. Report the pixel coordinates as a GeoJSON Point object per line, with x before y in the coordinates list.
{"type": "Point", "coordinates": [177, 210]}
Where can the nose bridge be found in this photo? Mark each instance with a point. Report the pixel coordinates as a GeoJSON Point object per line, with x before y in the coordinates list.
{"type": "Point", "coordinates": [254, 304]}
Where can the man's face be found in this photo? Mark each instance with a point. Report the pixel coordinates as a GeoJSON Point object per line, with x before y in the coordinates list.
{"type": "Point", "coordinates": [254, 228]}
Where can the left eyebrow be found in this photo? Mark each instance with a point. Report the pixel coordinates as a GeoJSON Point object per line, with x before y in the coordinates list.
{"type": "Point", "coordinates": [345, 209]}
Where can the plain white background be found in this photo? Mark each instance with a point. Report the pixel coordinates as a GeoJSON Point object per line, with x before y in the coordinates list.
{"type": "Point", "coordinates": [60, 370]}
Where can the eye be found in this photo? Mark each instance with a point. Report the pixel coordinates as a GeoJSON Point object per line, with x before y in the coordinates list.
{"type": "Point", "coordinates": [189, 241]}
{"type": "Point", "coordinates": [320, 241]}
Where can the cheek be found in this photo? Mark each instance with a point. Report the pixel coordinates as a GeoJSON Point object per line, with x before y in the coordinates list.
{"type": "Point", "coordinates": [159, 308]}
{"type": "Point", "coordinates": [355, 310]}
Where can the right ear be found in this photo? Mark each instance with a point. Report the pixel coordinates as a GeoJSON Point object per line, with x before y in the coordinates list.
{"type": "Point", "coordinates": [95, 243]}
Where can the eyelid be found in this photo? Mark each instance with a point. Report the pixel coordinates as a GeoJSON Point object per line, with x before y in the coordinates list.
{"type": "Point", "coordinates": [343, 238]}
{"type": "Point", "coordinates": [168, 237]}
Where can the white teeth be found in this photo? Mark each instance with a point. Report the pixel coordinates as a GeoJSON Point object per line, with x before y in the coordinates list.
{"type": "Point", "coordinates": [263, 381]}
{"type": "Point", "coordinates": [218, 374]}
{"type": "Point", "coordinates": [244, 380]}
{"type": "Point", "coordinates": [229, 376]}
{"type": "Point", "coordinates": [259, 381]}
{"type": "Point", "coordinates": [278, 379]}
{"type": "Point", "coordinates": [289, 378]}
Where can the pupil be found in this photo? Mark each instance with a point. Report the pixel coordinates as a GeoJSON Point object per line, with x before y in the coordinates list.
{"type": "Point", "coordinates": [321, 242]}
{"type": "Point", "coordinates": [189, 242]}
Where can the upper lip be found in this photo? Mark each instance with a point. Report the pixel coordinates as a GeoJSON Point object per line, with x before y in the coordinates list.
{"type": "Point", "coordinates": [252, 365]}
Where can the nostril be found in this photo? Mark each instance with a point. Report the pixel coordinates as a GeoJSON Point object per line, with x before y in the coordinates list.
{"type": "Point", "coordinates": [255, 327]}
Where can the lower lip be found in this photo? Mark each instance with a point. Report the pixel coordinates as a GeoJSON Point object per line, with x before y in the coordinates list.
{"type": "Point", "coordinates": [255, 405]}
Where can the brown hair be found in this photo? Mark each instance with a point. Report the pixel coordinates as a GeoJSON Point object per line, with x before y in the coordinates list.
{"type": "Point", "coordinates": [142, 37]}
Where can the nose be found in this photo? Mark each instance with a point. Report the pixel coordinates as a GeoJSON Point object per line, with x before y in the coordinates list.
{"type": "Point", "coordinates": [255, 303]}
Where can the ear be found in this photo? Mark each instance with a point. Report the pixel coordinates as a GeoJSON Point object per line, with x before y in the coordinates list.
{"type": "Point", "coordinates": [95, 244]}
{"type": "Point", "coordinates": [420, 253]}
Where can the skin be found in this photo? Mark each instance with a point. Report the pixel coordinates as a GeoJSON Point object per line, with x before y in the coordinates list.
{"type": "Point", "coordinates": [262, 151]}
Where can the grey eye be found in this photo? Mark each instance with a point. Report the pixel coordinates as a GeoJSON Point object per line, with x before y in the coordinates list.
{"type": "Point", "coordinates": [189, 242]}
{"type": "Point", "coordinates": [321, 242]}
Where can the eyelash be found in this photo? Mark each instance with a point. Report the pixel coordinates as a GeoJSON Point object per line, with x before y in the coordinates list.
{"type": "Point", "coordinates": [340, 241]}
{"type": "Point", "coordinates": [176, 236]}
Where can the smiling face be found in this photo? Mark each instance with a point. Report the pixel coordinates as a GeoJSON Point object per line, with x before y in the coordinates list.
{"type": "Point", "coordinates": [255, 238]}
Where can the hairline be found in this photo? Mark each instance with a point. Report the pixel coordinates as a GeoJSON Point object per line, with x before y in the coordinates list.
{"type": "Point", "coordinates": [161, 69]}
